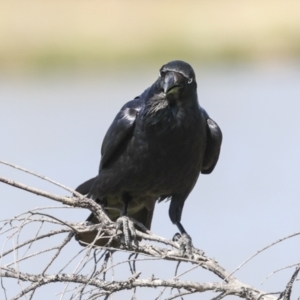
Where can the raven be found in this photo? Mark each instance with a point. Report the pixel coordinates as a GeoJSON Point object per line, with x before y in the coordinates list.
{"type": "Point", "coordinates": [155, 149]}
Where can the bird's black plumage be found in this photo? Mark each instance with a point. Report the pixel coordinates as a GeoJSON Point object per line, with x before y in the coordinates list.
{"type": "Point", "coordinates": [156, 147]}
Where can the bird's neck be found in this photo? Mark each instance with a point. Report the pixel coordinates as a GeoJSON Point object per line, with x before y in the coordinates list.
{"type": "Point", "coordinates": [160, 112]}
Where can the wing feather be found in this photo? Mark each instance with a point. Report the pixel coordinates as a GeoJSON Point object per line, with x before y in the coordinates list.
{"type": "Point", "coordinates": [119, 132]}
{"type": "Point", "coordinates": [213, 146]}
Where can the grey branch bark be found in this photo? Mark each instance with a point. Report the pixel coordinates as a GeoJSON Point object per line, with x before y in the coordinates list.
{"type": "Point", "coordinates": [229, 285]}
{"type": "Point", "coordinates": [233, 288]}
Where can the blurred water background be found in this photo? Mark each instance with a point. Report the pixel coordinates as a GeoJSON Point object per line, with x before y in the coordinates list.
{"type": "Point", "coordinates": [67, 67]}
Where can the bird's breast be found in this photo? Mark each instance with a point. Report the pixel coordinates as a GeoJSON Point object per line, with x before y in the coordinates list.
{"type": "Point", "coordinates": [171, 159]}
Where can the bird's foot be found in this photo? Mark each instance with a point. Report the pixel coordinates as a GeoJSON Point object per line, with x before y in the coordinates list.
{"type": "Point", "coordinates": [185, 244]}
{"type": "Point", "coordinates": [127, 227]}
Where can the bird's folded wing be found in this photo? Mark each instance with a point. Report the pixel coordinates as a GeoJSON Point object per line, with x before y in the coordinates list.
{"type": "Point", "coordinates": [85, 187]}
{"type": "Point", "coordinates": [119, 132]}
{"type": "Point", "coordinates": [213, 146]}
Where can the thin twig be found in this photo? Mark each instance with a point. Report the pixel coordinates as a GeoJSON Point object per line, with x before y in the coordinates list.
{"type": "Point", "coordinates": [56, 219]}
{"type": "Point", "coordinates": [278, 270]}
{"type": "Point", "coordinates": [286, 295]}
{"type": "Point", "coordinates": [181, 294]}
{"type": "Point", "coordinates": [24, 291]}
{"type": "Point", "coordinates": [77, 202]}
{"type": "Point", "coordinates": [31, 255]}
{"type": "Point", "coordinates": [72, 259]}
{"type": "Point", "coordinates": [50, 233]}
{"type": "Point", "coordinates": [114, 286]}
{"type": "Point", "coordinates": [220, 296]}
{"type": "Point", "coordinates": [261, 250]}
{"type": "Point", "coordinates": [64, 243]}
{"type": "Point", "coordinates": [42, 177]}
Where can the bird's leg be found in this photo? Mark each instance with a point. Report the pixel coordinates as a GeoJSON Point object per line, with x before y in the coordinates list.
{"type": "Point", "coordinates": [126, 200]}
{"type": "Point", "coordinates": [175, 212]}
{"type": "Point", "coordinates": [183, 239]}
{"type": "Point", "coordinates": [125, 223]}
{"type": "Point", "coordinates": [181, 229]}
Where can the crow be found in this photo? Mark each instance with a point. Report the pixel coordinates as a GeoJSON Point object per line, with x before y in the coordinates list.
{"type": "Point", "coordinates": [155, 149]}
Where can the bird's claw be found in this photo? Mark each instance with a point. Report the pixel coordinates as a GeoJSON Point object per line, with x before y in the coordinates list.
{"type": "Point", "coordinates": [185, 244]}
{"type": "Point", "coordinates": [127, 227]}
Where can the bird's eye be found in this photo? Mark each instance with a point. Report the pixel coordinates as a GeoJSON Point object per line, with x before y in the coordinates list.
{"type": "Point", "coordinates": [190, 81]}
{"type": "Point", "coordinates": [161, 73]}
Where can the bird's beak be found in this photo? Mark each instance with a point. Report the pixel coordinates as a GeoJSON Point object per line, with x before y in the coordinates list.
{"type": "Point", "coordinates": [172, 83]}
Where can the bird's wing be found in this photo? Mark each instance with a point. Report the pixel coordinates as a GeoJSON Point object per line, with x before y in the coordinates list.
{"type": "Point", "coordinates": [119, 131]}
{"type": "Point", "coordinates": [85, 187]}
{"type": "Point", "coordinates": [213, 145]}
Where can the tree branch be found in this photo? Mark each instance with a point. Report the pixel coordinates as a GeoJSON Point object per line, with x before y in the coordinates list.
{"type": "Point", "coordinates": [228, 286]}
{"type": "Point", "coordinates": [114, 286]}
{"type": "Point", "coordinates": [72, 201]}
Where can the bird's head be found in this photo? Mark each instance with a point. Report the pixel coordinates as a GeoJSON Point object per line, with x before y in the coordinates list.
{"type": "Point", "coordinates": [174, 90]}
{"type": "Point", "coordinates": [176, 79]}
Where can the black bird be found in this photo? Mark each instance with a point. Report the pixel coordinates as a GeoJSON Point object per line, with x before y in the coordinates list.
{"type": "Point", "coordinates": [155, 149]}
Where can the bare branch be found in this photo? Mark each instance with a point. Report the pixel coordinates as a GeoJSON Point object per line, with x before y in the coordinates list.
{"type": "Point", "coordinates": [64, 243]}
{"type": "Point", "coordinates": [278, 270]}
{"type": "Point", "coordinates": [76, 202]}
{"type": "Point", "coordinates": [286, 295]}
{"type": "Point", "coordinates": [89, 273]}
{"type": "Point", "coordinates": [56, 219]}
{"type": "Point", "coordinates": [42, 177]}
{"type": "Point", "coordinates": [114, 286]}
{"type": "Point", "coordinates": [31, 255]}
{"type": "Point", "coordinates": [42, 236]}
{"type": "Point", "coordinates": [263, 249]}
{"type": "Point", "coordinates": [25, 291]}
{"type": "Point", "coordinates": [181, 294]}
{"type": "Point", "coordinates": [232, 286]}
